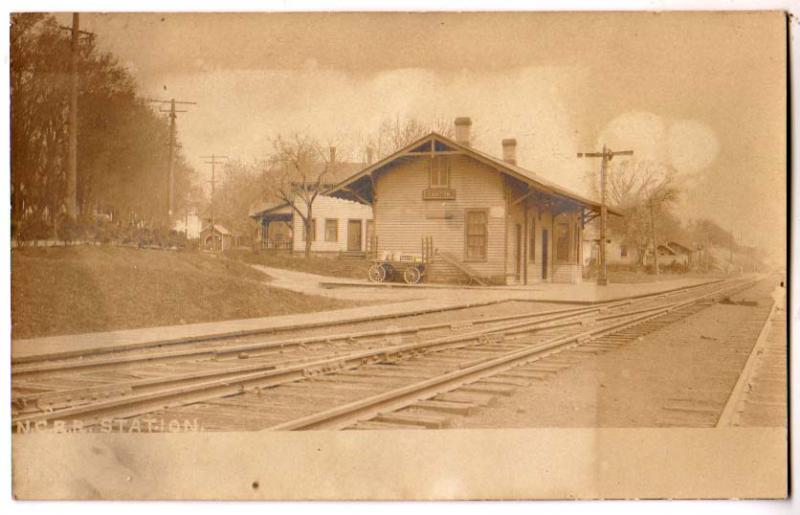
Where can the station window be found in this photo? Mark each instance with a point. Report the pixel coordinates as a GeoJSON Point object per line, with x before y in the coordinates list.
{"type": "Point", "coordinates": [623, 251]}
{"type": "Point", "coordinates": [439, 172]}
{"type": "Point", "coordinates": [331, 229]}
{"type": "Point", "coordinates": [477, 232]}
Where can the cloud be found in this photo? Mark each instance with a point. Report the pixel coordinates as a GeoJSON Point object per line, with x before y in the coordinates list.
{"type": "Point", "coordinates": [643, 132]}
{"type": "Point", "coordinates": [689, 146]}
{"type": "Point", "coordinates": [692, 146]}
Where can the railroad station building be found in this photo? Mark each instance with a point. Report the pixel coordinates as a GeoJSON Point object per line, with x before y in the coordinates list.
{"type": "Point", "coordinates": [484, 216]}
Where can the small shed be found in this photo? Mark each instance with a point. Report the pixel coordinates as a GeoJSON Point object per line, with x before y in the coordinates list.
{"type": "Point", "coordinates": [216, 238]}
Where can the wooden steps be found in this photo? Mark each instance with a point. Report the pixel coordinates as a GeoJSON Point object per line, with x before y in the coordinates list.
{"type": "Point", "coordinates": [470, 272]}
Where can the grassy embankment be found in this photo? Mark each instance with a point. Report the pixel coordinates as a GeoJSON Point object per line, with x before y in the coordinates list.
{"type": "Point", "coordinates": [330, 266]}
{"type": "Point", "coordinates": [86, 289]}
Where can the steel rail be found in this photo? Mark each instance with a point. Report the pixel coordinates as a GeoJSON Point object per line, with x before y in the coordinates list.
{"type": "Point", "coordinates": [21, 370]}
{"type": "Point", "coordinates": [46, 365]}
{"type": "Point", "coordinates": [273, 376]}
{"type": "Point", "coordinates": [247, 332]}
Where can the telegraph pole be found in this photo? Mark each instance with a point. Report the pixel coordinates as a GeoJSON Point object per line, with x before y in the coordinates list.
{"type": "Point", "coordinates": [173, 145]}
{"type": "Point", "coordinates": [653, 235]}
{"type": "Point", "coordinates": [186, 216]}
{"type": "Point", "coordinates": [213, 160]}
{"type": "Point", "coordinates": [72, 157]}
{"type": "Point", "coordinates": [606, 155]}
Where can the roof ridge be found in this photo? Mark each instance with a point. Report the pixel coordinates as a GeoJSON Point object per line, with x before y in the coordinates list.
{"type": "Point", "coordinates": [522, 173]}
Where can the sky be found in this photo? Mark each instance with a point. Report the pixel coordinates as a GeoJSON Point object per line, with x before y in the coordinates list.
{"type": "Point", "coordinates": [704, 93]}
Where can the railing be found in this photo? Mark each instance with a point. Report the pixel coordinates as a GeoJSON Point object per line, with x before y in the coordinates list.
{"type": "Point", "coordinates": [427, 249]}
{"type": "Point", "coordinates": [276, 244]}
{"type": "Point", "coordinates": [372, 247]}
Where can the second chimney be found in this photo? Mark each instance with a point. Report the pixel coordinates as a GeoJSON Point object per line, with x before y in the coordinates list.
{"type": "Point", "coordinates": [333, 154]}
{"type": "Point", "coordinates": [462, 129]}
{"type": "Point", "coordinates": [510, 151]}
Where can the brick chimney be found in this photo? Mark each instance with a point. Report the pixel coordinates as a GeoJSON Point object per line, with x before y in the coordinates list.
{"type": "Point", "coordinates": [369, 155]}
{"type": "Point", "coordinates": [463, 126]}
{"type": "Point", "coordinates": [333, 154]}
{"type": "Point", "coordinates": [510, 151]}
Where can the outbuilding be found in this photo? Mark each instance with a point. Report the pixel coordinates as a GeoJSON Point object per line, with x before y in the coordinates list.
{"type": "Point", "coordinates": [216, 238]}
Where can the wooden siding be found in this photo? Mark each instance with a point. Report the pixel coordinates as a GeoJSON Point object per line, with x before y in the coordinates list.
{"type": "Point", "coordinates": [403, 218]}
{"type": "Point", "coordinates": [326, 208]}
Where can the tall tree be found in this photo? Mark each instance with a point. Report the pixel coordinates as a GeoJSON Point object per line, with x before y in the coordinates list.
{"type": "Point", "coordinates": [122, 157]}
{"type": "Point", "coordinates": [240, 187]}
{"type": "Point", "coordinates": [644, 191]}
{"type": "Point", "coordinates": [299, 167]}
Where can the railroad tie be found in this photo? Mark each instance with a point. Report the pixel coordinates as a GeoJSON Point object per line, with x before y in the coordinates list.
{"type": "Point", "coordinates": [372, 425]}
{"type": "Point", "coordinates": [414, 419]}
{"type": "Point", "coordinates": [457, 408]}
{"type": "Point", "coordinates": [506, 380]}
{"type": "Point", "coordinates": [486, 387]}
{"type": "Point", "coordinates": [478, 399]}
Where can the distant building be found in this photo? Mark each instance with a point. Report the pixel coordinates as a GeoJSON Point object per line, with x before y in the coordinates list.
{"type": "Point", "coordinates": [617, 252]}
{"type": "Point", "coordinates": [216, 238]}
{"type": "Point", "coordinates": [675, 253]}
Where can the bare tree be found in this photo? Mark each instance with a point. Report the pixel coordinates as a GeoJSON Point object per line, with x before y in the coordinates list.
{"type": "Point", "coordinates": [393, 135]}
{"type": "Point", "coordinates": [658, 192]}
{"type": "Point", "coordinates": [238, 189]}
{"type": "Point", "coordinates": [644, 190]}
{"type": "Point", "coordinates": [298, 170]}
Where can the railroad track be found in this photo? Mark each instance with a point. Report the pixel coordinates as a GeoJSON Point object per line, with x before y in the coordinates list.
{"type": "Point", "coordinates": [53, 381]}
{"type": "Point", "coordinates": [364, 384]}
{"type": "Point", "coordinates": [46, 383]}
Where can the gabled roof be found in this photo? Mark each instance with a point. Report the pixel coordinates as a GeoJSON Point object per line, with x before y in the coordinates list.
{"type": "Point", "coordinates": [277, 207]}
{"type": "Point", "coordinates": [512, 170]}
{"type": "Point", "coordinates": [667, 248]}
{"type": "Point", "coordinates": [682, 245]}
{"type": "Point", "coordinates": [218, 228]}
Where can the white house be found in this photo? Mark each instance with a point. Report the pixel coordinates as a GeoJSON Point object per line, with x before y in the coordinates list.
{"type": "Point", "coordinates": [617, 253]}
{"type": "Point", "coordinates": [191, 225]}
{"type": "Point", "coordinates": [338, 225]}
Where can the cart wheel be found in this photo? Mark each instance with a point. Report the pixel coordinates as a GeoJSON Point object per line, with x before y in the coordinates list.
{"type": "Point", "coordinates": [412, 275]}
{"type": "Point", "coordinates": [377, 273]}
